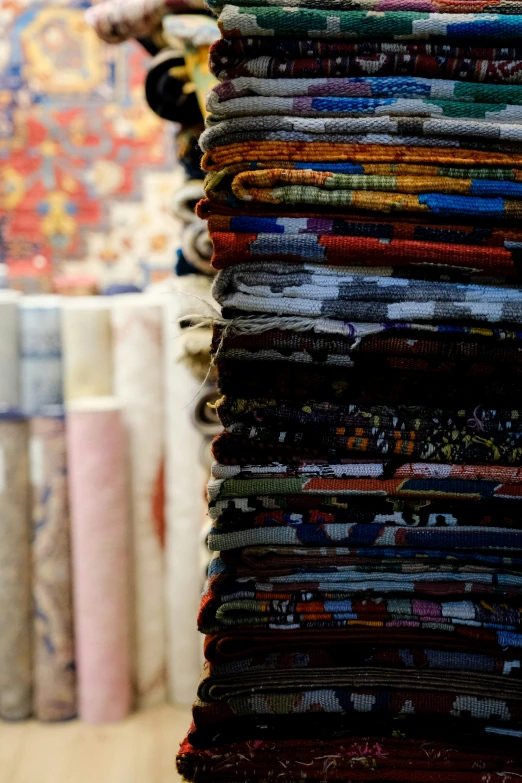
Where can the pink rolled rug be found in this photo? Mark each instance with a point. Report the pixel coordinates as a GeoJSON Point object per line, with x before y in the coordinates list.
{"type": "Point", "coordinates": [100, 523]}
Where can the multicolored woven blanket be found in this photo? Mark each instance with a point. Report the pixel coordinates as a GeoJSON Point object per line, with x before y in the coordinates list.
{"type": "Point", "coordinates": [331, 293]}
{"type": "Point", "coordinates": [432, 6]}
{"type": "Point", "coordinates": [244, 21]}
{"type": "Point", "coordinates": [277, 59]}
{"type": "Point", "coordinates": [228, 98]}
{"type": "Point", "coordinates": [340, 152]}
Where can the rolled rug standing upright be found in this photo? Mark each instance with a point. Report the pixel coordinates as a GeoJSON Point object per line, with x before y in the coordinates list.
{"type": "Point", "coordinates": [137, 324]}
{"type": "Point", "coordinates": [186, 507]}
{"type": "Point", "coordinates": [9, 351]}
{"type": "Point", "coordinates": [100, 524]}
{"type": "Point", "coordinates": [15, 572]}
{"type": "Point", "coordinates": [41, 377]}
{"type": "Point", "coordinates": [87, 347]}
{"type": "Point", "coordinates": [54, 695]}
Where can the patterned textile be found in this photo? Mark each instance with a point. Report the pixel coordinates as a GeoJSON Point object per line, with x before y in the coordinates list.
{"type": "Point", "coordinates": [318, 347]}
{"type": "Point", "coordinates": [291, 58]}
{"type": "Point", "coordinates": [357, 107]}
{"type": "Point", "coordinates": [246, 443]}
{"type": "Point", "coordinates": [228, 98]}
{"type": "Point", "coordinates": [313, 47]}
{"type": "Point", "coordinates": [439, 6]}
{"type": "Point", "coordinates": [415, 256]}
{"type": "Point", "coordinates": [268, 431]}
{"type": "Point", "coordinates": [330, 293]}
{"type": "Point", "coordinates": [363, 193]}
{"type": "Point", "coordinates": [369, 469]}
{"type": "Point", "coordinates": [278, 511]}
{"type": "Point", "coordinates": [353, 535]}
{"type": "Point", "coordinates": [396, 759]}
{"type": "Point", "coordinates": [236, 21]}
{"type": "Point", "coordinates": [441, 195]}
{"type": "Point", "coordinates": [281, 561]}
{"type": "Point", "coordinates": [470, 489]}
{"type": "Point", "coordinates": [318, 668]}
{"type": "Point", "coordinates": [393, 128]}
{"type": "Point", "coordinates": [470, 251]}
{"type": "Point", "coordinates": [380, 699]}
{"type": "Point", "coordinates": [378, 152]}
{"type": "Point", "coordinates": [321, 726]}
{"type": "Point", "coordinates": [293, 381]}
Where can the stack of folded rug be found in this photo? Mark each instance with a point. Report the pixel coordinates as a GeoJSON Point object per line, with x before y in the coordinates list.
{"type": "Point", "coordinates": [364, 198]}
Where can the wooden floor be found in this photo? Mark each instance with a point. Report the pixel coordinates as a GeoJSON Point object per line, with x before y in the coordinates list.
{"type": "Point", "coordinates": [141, 749]}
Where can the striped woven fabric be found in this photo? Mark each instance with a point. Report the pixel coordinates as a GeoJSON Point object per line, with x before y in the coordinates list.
{"type": "Point", "coordinates": [342, 152]}
{"type": "Point", "coordinates": [441, 194]}
{"type": "Point", "coordinates": [480, 234]}
{"type": "Point", "coordinates": [319, 665]}
{"type": "Point", "coordinates": [308, 607]}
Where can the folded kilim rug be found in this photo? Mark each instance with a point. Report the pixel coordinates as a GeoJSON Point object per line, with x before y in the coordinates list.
{"type": "Point", "coordinates": [363, 604]}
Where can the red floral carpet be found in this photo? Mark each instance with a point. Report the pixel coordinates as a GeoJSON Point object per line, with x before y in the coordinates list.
{"type": "Point", "coordinates": [76, 138]}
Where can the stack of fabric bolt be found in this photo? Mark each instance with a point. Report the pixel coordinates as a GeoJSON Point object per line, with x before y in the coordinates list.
{"type": "Point", "coordinates": [364, 199]}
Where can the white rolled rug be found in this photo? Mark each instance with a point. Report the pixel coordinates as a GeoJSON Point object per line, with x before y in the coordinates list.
{"type": "Point", "coordinates": [138, 344]}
